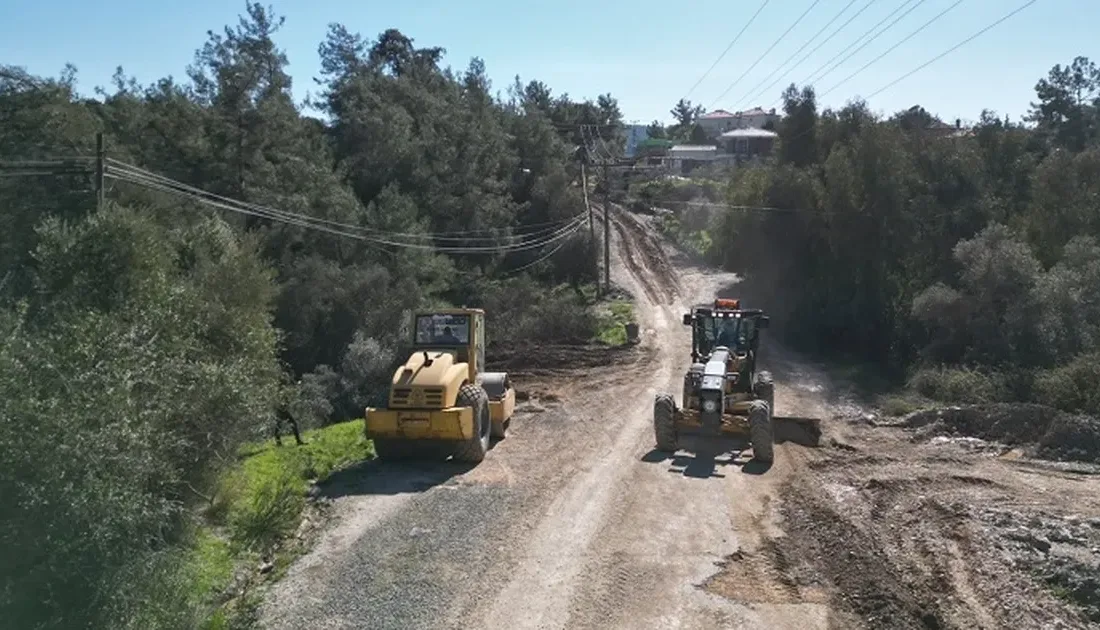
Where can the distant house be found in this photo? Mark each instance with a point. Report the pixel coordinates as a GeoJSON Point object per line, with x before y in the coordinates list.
{"type": "Point", "coordinates": [942, 129]}
{"type": "Point", "coordinates": [916, 118]}
{"type": "Point", "coordinates": [720, 121]}
{"type": "Point", "coordinates": [686, 157]}
{"type": "Point", "coordinates": [757, 118]}
{"type": "Point", "coordinates": [714, 123]}
{"type": "Point", "coordinates": [748, 143]}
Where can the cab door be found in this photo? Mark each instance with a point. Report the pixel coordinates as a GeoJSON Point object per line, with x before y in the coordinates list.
{"type": "Point", "coordinates": [479, 335]}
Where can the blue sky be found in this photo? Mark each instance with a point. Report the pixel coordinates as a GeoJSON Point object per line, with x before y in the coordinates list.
{"type": "Point", "coordinates": [646, 53]}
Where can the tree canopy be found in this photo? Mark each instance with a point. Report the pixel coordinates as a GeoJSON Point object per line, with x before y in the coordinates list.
{"type": "Point", "coordinates": [146, 340]}
{"type": "Point", "coordinates": [912, 242]}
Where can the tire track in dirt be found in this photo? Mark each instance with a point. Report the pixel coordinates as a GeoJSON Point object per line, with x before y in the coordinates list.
{"type": "Point", "coordinates": [541, 592]}
{"type": "Point", "coordinates": [677, 519]}
{"type": "Point", "coordinates": [645, 258]}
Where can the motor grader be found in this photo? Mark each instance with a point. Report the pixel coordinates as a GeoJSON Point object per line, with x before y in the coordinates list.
{"type": "Point", "coordinates": [442, 402]}
{"type": "Point", "coordinates": [724, 393]}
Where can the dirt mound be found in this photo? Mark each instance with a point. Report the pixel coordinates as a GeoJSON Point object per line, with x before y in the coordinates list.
{"type": "Point", "coordinates": [1050, 433]}
{"type": "Point", "coordinates": [919, 543]}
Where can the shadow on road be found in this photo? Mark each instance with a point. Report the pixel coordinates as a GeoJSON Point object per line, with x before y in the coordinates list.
{"type": "Point", "coordinates": [387, 478]}
{"type": "Point", "coordinates": [701, 459]}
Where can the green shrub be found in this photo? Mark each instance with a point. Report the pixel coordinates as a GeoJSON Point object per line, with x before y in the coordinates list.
{"type": "Point", "coordinates": [898, 405]}
{"type": "Point", "coordinates": [1071, 387]}
{"type": "Point", "coordinates": [960, 385]}
{"type": "Point", "coordinates": [267, 512]}
{"type": "Point", "coordinates": [612, 323]}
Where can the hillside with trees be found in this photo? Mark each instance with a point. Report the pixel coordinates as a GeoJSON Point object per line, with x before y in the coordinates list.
{"type": "Point", "coordinates": [966, 262]}
{"type": "Point", "coordinates": [146, 340]}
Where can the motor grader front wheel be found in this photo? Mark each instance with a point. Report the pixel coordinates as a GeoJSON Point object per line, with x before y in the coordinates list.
{"type": "Point", "coordinates": [765, 389]}
{"type": "Point", "coordinates": [760, 431]}
{"type": "Point", "coordinates": [664, 423]}
{"type": "Point", "coordinates": [474, 449]}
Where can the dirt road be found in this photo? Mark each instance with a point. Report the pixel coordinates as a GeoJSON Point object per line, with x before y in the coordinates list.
{"type": "Point", "coordinates": [573, 521]}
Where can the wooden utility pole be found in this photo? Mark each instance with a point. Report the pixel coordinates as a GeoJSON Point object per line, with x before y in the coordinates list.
{"type": "Point", "coordinates": [100, 157]}
{"type": "Point", "coordinates": [606, 229]}
{"type": "Point", "coordinates": [587, 206]}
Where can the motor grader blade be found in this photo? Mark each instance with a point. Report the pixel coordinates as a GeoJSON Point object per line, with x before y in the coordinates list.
{"type": "Point", "coordinates": [797, 429]}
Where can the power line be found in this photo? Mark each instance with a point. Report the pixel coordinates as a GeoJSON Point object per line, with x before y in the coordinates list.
{"type": "Point", "coordinates": [728, 48]}
{"type": "Point", "coordinates": [752, 92]}
{"type": "Point", "coordinates": [45, 168]}
{"type": "Point", "coordinates": [462, 236]}
{"type": "Point", "coordinates": [774, 44]}
{"type": "Point", "coordinates": [799, 63]}
{"type": "Point", "coordinates": [949, 50]}
{"type": "Point", "coordinates": [603, 145]}
{"type": "Point", "coordinates": [305, 221]}
{"type": "Point", "coordinates": [721, 205]}
{"type": "Point", "coordinates": [933, 59]}
{"type": "Point", "coordinates": [892, 48]}
{"type": "Point", "coordinates": [868, 42]}
{"type": "Point", "coordinates": [587, 136]}
{"type": "Point", "coordinates": [808, 80]}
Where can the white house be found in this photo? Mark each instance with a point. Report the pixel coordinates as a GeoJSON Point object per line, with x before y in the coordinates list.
{"type": "Point", "coordinates": [684, 157]}
{"type": "Point", "coordinates": [720, 121]}
{"type": "Point", "coordinates": [749, 142]}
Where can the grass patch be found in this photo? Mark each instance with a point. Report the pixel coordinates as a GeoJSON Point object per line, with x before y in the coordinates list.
{"type": "Point", "coordinates": [611, 322]}
{"type": "Point", "coordinates": [257, 505]}
{"type": "Point", "coordinates": [266, 493]}
{"type": "Point", "coordinates": [210, 564]}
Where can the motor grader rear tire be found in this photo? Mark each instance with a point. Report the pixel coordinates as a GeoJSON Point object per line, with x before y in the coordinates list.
{"type": "Point", "coordinates": [473, 450]}
{"type": "Point", "coordinates": [664, 423]}
{"type": "Point", "coordinates": [760, 431]}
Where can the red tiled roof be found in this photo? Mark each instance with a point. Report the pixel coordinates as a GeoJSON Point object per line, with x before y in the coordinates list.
{"type": "Point", "coordinates": [718, 113]}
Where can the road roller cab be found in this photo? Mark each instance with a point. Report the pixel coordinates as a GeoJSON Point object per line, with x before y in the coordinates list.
{"type": "Point", "coordinates": [442, 401]}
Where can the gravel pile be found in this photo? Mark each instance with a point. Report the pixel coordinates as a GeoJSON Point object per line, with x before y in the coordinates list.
{"type": "Point", "coordinates": [1050, 433]}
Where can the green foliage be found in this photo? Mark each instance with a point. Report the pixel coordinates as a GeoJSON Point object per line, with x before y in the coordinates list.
{"type": "Point", "coordinates": [612, 323]}
{"type": "Point", "coordinates": [120, 394]}
{"type": "Point", "coordinates": [957, 385]}
{"type": "Point", "coordinates": [1071, 387]}
{"type": "Point", "coordinates": [145, 342]}
{"type": "Point", "coordinates": [685, 114]}
{"type": "Point", "coordinates": [519, 311]}
{"type": "Point", "coordinates": [908, 246]}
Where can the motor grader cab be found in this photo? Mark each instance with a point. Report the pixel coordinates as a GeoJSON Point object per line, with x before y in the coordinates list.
{"type": "Point", "coordinates": [724, 392]}
{"type": "Point", "coordinates": [442, 401]}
